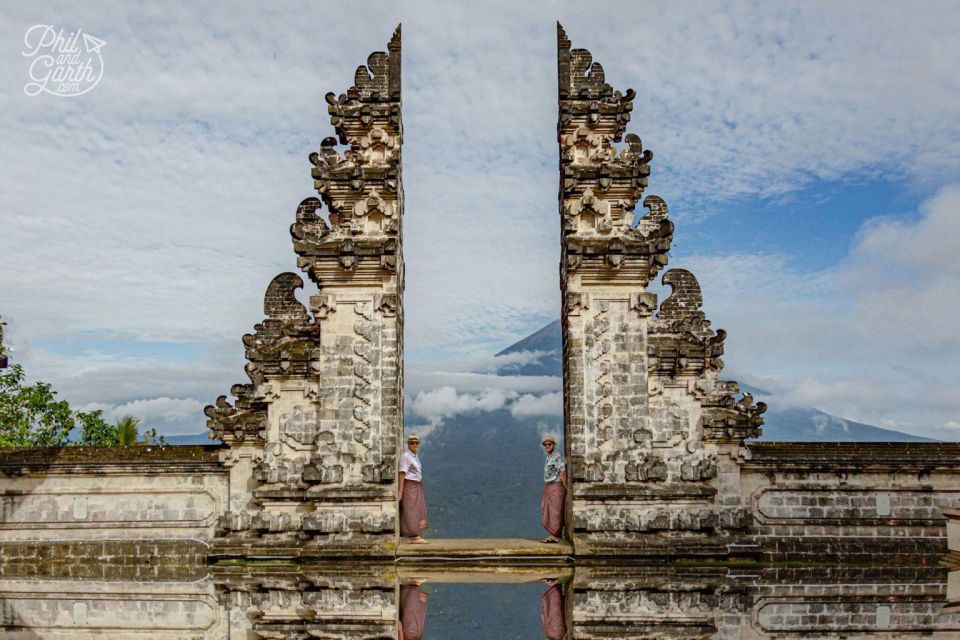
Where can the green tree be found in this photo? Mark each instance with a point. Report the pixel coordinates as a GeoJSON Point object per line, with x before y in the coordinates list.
{"type": "Point", "coordinates": [31, 416]}
{"type": "Point", "coordinates": [127, 433]}
{"type": "Point", "coordinates": [150, 437]}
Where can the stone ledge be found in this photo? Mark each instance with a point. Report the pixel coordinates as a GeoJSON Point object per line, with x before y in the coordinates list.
{"type": "Point", "coordinates": [856, 455]}
{"type": "Point", "coordinates": [643, 491]}
{"type": "Point", "coordinates": [360, 548]}
{"type": "Point", "coordinates": [499, 549]}
{"type": "Point", "coordinates": [894, 551]}
{"type": "Point", "coordinates": [205, 457]}
{"type": "Point", "coordinates": [147, 560]}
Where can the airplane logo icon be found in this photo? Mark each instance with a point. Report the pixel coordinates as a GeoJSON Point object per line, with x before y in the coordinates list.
{"type": "Point", "coordinates": [92, 44]}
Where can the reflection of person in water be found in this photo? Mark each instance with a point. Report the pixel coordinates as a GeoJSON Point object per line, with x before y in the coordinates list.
{"type": "Point", "coordinates": [552, 501]}
{"type": "Point", "coordinates": [413, 610]}
{"type": "Point", "coordinates": [551, 612]}
{"type": "Point", "coordinates": [413, 506]}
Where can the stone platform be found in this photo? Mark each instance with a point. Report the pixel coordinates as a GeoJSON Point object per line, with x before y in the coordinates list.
{"type": "Point", "coordinates": [474, 550]}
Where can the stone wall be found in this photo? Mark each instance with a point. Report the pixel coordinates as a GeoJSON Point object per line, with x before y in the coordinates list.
{"type": "Point", "coordinates": [730, 603]}
{"type": "Point", "coordinates": [119, 493]}
{"type": "Point", "coordinates": [953, 532]}
{"type": "Point", "coordinates": [338, 602]}
{"type": "Point", "coordinates": [850, 501]}
{"type": "Point", "coordinates": [116, 609]}
{"type": "Point", "coordinates": [264, 601]}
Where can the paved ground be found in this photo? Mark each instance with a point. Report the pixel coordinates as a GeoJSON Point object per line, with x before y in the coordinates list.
{"type": "Point", "coordinates": [484, 548]}
{"type": "Point", "coordinates": [478, 574]}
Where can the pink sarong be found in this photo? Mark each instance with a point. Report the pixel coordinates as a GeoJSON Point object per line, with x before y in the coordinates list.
{"type": "Point", "coordinates": [413, 611]}
{"type": "Point", "coordinates": [551, 613]}
{"type": "Point", "coordinates": [413, 509]}
{"type": "Point", "coordinates": [552, 502]}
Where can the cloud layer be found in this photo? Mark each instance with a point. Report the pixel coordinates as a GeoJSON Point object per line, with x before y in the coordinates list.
{"type": "Point", "coordinates": [155, 207]}
{"type": "Point", "coordinates": [873, 339]}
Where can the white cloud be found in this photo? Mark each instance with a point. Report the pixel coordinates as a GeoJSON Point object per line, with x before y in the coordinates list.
{"type": "Point", "coordinates": [170, 416]}
{"type": "Point", "coordinates": [874, 339]}
{"type": "Point", "coordinates": [157, 205]}
{"type": "Point", "coordinates": [187, 161]}
{"type": "Point", "coordinates": [164, 409]}
{"type": "Point", "coordinates": [556, 430]}
{"type": "Point", "coordinates": [418, 379]}
{"type": "Point", "coordinates": [438, 404]}
{"type": "Point", "coordinates": [549, 404]}
{"type": "Point", "coordinates": [445, 402]}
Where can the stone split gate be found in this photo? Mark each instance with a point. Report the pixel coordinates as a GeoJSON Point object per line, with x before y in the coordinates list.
{"type": "Point", "coordinates": [660, 461]}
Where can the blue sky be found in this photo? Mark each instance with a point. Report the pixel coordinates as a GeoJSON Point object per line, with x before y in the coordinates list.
{"type": "Point", "coordinates": [808, 152]}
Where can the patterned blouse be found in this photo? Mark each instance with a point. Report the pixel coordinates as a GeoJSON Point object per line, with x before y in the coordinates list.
{"type": "Point", "coordinates": [553, 467]}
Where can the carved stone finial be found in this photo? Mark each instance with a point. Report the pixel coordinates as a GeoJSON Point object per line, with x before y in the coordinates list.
{"type": "Point", "coordinates": [309, 230]}
{"type": "Point", "coordinates": [601, 184]}
{"type": "Point", "coordinates": [280, 302]}
{"type": "Point", "coordinates": [379, 79]}
{"type": "Point", "coordinates": [685, 297]}
{"type": "Point", "coordinates": [580, 77]}
{"type": "Point", "coordinates": [656, 207]}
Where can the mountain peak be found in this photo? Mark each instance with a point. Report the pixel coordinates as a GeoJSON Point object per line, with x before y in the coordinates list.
{"type": "Point", "coordinates": [547, 338]}
{"type": "Point", "coordinates": [547, 342]}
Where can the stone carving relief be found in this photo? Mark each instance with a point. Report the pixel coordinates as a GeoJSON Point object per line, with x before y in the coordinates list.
{"type": "Point", "coordinates": [644, 410]}
{"type": "Point", "coordinates": [316, 434]}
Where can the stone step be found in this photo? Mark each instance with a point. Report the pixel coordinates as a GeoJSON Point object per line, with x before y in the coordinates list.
{"type": "Point", "coordinates": [517, 550]}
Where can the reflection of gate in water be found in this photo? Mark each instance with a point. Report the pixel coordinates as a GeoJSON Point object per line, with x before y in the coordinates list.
{"type": "Point", "coordinates": [433, 600]}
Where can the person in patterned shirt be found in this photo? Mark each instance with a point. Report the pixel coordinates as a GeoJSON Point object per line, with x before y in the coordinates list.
{"type": "Point", "coordinates": [554, 496]}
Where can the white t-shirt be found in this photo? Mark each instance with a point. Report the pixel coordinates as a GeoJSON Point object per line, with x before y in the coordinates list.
{"type": "Point", "coordinates": [410, 466]}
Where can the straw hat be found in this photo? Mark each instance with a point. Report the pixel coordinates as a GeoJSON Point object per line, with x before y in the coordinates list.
{"type": "Point", "coordinates": [549, 438]}
{"type": "Point", "coordinates": [413, 438]}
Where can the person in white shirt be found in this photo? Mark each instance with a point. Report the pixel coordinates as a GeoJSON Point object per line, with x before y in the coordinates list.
{"type": "Point", "coordinates": [413, 506]}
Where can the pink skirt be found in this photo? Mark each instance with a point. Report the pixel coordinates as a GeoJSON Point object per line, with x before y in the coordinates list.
{"type": "Point", "coordinates": [413, 611]}
{"type": "Point", "coordinates": [551, 613]}
{"type": "Point", "coordinates": [552, 502]}
{"type": "Point", "coordinates": [413, 509]}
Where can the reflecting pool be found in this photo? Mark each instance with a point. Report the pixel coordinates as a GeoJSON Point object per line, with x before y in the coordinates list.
{"type": "Point", "coordinates": [439, 599]}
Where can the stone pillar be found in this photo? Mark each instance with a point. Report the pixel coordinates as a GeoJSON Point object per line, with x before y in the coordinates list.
{"type": "Point", "coordinates": [644, 415]}
{"type": "Point", "coordinates": [315, 436]}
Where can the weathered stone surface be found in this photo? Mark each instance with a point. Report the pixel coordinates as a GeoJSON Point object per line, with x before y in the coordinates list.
{"type": "Point", "coordinates": [850, 502]}
{"type": "Point", "coordinates": [111, 493]}
{"type": "Point", "coordinates": [340, 601]}
{"type": "Point", "coordinates": [953, 532]}
{"type": "Point", "coordinates": [739, 603]}
{"type": "Point", "coordinates": [644, 409]}
{"type": "Point", "coordinates": [156, 560]}
{"type": "Point", "coordinates": [314, 437]}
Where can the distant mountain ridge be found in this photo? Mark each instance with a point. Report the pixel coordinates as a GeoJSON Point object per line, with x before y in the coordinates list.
{"type": "Point", "coordinates": [196, 438]}
{"type": "Point", "coordinates": [483, 469]}
{"type": "Point", "coordinates": [804, 424]}
{"type": "Point", "coordinates": [785, 425]}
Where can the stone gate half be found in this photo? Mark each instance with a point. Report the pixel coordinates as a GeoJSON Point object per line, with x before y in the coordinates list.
{"type": "Point", "coordinates": [313, 437]}
{"type": "Point", "coordinates": [650, 429]}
